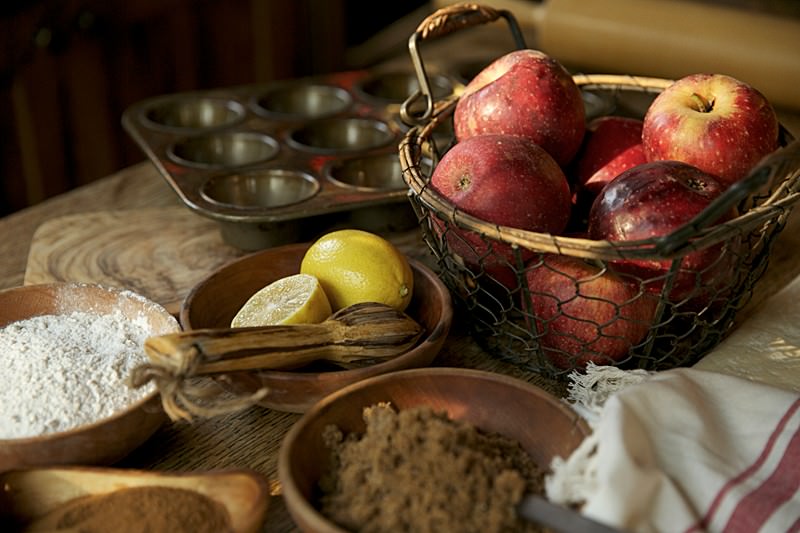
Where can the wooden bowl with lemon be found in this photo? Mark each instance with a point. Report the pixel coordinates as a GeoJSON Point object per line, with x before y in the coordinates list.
{"type": "Point", "coordinates": [346, 267]}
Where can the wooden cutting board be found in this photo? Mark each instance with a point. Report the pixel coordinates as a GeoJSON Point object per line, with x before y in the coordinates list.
{"type": "Point", "coordinates": [160, 253]}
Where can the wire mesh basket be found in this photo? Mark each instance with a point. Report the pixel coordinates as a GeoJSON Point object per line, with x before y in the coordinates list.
{"type": "Point", "coordinates": [503, 278]}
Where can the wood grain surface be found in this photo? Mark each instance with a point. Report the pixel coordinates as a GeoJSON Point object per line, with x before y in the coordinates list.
{"type": "Point", "coordinates": [159, 252]}
{"type": "Point", "coordinates": [138, 186]}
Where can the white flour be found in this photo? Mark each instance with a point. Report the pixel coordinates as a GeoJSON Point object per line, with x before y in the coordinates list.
{"type": "Point", "coordinates": [58, 372]}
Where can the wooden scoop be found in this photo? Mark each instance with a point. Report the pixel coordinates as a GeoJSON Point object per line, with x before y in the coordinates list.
{"type": "Point", "coordinates": [356, 333]}
{"type": "Point", "coordinates": [31, 495]}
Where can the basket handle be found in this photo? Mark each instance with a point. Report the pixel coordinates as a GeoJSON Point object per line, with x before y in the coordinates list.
{"type": "Point", "coordinates": [773, 164]}
{"type": "Point", "coordinates": [440, 23]}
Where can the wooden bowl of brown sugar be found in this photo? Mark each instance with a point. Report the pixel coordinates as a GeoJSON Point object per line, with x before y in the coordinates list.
{"type": "Point", "coordinates": [518, 413]}
{"type": "Point", "coordinates": [215, 301]}
{"type": "Point", "coordinates": [65, 351]}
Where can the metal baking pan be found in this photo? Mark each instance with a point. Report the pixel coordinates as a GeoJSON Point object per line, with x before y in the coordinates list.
{"type": "Point", "coordinates": [281, 162]}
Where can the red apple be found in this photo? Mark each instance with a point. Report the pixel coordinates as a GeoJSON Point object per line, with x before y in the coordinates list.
{"type": "Point", "coordinates": [505, 180]}
{"type": "Point", "coordinates": [714, 122]}
{"type": "Point", "coordinates": [584, 312]}
{"type": "Point", "coordinates": [492, 263]}
{"type": "Point", "coordinates": [528, 93]}
{"type": "Point", "coordinates": [652, 200]}
{"type": "Point", "coordinates": [612, 145]}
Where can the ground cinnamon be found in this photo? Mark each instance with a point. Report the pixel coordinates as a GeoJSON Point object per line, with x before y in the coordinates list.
{"type": "Point", "coordinates": [138, 510]}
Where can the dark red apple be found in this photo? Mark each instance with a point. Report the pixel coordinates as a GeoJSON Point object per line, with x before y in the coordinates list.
{"type": "Point", "coordinates": [714, 122]}
{"type": "Point", "coordinates": [653, 200]}
{"type": "Point", "coordinates": [528, 93]}
{"type": "Point", "coordinates": [584, 312]}
{"type": "Point", "coordinates": [504, 180]}
{"type": "Point", "coordinates": [612, 145]}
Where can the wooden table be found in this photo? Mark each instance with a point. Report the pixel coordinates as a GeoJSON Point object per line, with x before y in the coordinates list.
{"type": "Point", "coordinates": [251, 439]}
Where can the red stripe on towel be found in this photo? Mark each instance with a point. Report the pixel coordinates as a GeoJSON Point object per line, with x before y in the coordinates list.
{"type": "Point", "coordinates": [702, 524]}
{"type": "Point", "coordinates": [754, 510]}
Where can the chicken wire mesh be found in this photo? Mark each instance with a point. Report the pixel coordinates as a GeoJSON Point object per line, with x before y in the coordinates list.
{"type": "Point", "coordinates": [551, 303]}
{"type": "Point", "coordinates": [682, 294]}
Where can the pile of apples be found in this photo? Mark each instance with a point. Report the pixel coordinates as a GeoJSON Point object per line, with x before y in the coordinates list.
{"type": "Point", "coordinates": [526, 158]}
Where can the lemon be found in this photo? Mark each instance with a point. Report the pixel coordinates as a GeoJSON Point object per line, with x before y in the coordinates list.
{"type": "Point", "coordinates": [356, 266]}
{"type": "Point", "coordinates": [295, 299]}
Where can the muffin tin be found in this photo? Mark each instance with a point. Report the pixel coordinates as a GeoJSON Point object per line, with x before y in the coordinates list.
{"type": "Point", "coordinates": [282, 162]}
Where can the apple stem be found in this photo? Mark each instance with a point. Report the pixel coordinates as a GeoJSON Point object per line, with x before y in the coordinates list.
{"type": "Point", "coordinates": [703, 105]}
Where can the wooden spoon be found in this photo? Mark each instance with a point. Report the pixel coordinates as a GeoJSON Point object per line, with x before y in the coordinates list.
{"type": "Point", "coordinates": [359, 332]}
{"type": "Point", "coordinates": [29, 495]}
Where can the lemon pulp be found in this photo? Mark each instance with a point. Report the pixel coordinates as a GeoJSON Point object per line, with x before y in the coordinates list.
{"type": "Point", "coordinates": [295, 299]}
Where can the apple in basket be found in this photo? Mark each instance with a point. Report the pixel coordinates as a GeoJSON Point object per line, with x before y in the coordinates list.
{"type": "Point", "coordinates": [492, 264]}
{"type": "Point", "coordinates": [505, 180]}
{"type": "Point", "coordinates": [584, 312]}
{"type": "Point", "coordinates": [612, 145]}
{"type": "Point", "coordinates": [652, 200]}
{"type": "Point", "coordinates": [714, 122]}
{"type": "Point", "coordinates": [528, 93]}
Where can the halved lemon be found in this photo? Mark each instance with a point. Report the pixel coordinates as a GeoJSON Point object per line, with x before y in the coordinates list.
{"type": "Point", "coordinates": [295, 299]}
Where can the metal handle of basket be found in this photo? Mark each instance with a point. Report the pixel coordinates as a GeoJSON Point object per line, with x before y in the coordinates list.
{"type": "Point", "coordinates": [443, 22]}
{"type": "Point", "coordinates": [780, 162]}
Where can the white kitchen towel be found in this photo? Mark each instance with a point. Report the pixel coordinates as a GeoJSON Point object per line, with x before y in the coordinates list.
{"type": "Point", "coordinates": [766, 346]}
{"type": "Point", "coordinates": [684, 450]}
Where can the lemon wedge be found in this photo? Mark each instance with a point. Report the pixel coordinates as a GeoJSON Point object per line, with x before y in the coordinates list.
{"type": "Point", "coordinates": [295, 299]}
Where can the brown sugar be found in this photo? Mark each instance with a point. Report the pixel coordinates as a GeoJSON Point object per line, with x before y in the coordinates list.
{"type": "Point", "coordinates": [418, 470]}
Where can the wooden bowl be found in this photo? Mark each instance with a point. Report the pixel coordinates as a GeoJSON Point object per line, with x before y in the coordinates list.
{"type": "Point", "coordinates": [30, 494]}
{"type": "Point", "coordinates": [104, 441]}
{"type": "Point", "coordinates": [543, 425]}
{"type": "Point", "coordinates": [214, 302]}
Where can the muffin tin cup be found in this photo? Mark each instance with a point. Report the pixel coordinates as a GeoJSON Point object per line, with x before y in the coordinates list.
{"type": "Point", "coordinates": [303, 101]}
{"type": "Point", "coordinates": [191, 112]}
{"type": "Point", "coordinates": [285, 161]}
{"type": "Point", "coordinates": [341, 135]}
{"type": "Point", "coordinates": [369, 173]}
{"type": "Point", "coordinates": [394, 87]}
{"type": "Point", "coordinates": [224, 149]}
{"type": "Point", "coordinates": [260, 189]}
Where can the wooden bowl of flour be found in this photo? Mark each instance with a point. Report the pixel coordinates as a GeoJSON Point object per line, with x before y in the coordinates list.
{"type": "Point", "coordinates": [90, 329]}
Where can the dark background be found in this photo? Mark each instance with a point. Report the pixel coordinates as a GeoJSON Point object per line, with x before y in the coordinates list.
{"type": "Point", "coordinates": [69, 68]}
